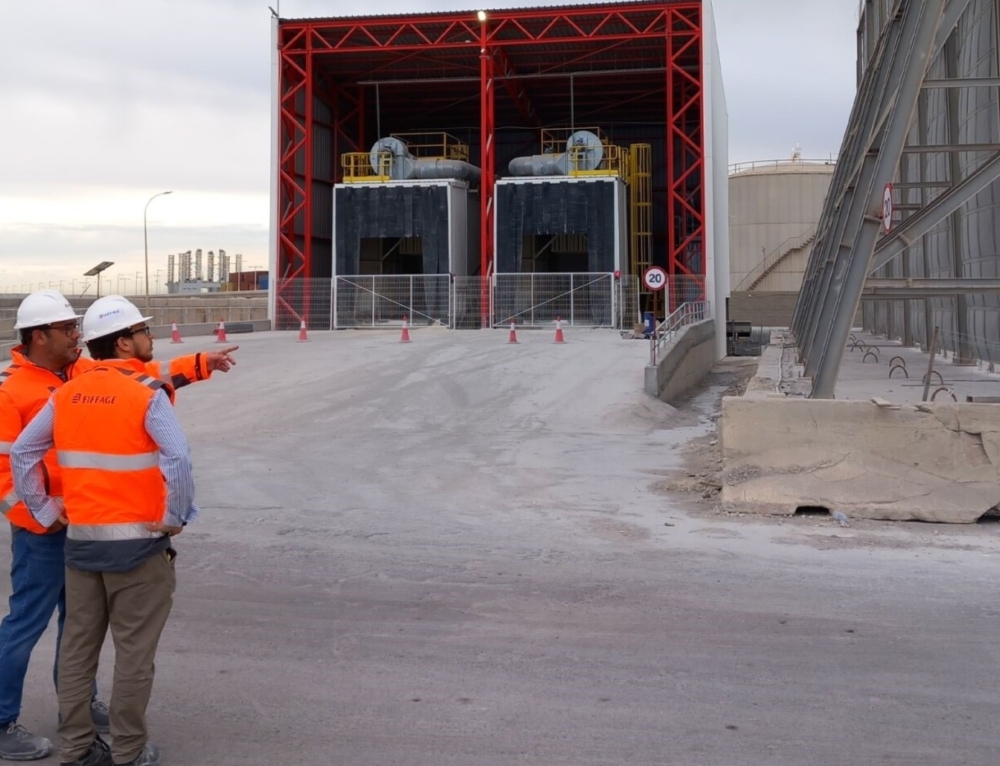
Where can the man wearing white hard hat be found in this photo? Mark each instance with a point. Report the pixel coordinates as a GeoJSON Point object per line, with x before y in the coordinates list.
{"type": "Point", "coordinates": [49, 355]}
{"type": "Point", "coordinates": [128, 488]}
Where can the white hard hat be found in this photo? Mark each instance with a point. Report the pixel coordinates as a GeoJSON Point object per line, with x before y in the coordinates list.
{"type": "Point", "coordinates": [42, 308]}
{"type": "Point", "coordinates": [108, 315]}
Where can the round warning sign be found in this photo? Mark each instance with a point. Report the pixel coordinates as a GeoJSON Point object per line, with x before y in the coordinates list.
{"type": "Point", "coordinates": [887, 208]}
{"type": "Point", "coordinates": [655, 278]}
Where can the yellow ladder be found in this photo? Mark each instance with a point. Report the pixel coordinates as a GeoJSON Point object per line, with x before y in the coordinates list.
{"type": "Point", "coordinates": [641, 209]}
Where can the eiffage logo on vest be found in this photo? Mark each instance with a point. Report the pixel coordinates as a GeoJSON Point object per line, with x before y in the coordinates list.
{"type": "Point", "coordinates": [81, 399]}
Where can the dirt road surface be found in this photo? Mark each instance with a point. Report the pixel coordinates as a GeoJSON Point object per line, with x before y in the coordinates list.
{"type": "Point", "coordinates": [459, 552]}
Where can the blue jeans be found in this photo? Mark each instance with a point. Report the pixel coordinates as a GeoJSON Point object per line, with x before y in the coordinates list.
{"type": "Point", "coordinates": [37, 580]}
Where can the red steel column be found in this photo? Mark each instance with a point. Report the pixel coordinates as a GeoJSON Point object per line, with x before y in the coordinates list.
{"type": "Point", "coordinates": [669, 119]}
{"type": "Point", "coordinates": [486, 185]}
{"type": "Point", "coordinates": [307, 233]}
{"type": "Point", "coordinates": [291, 195]}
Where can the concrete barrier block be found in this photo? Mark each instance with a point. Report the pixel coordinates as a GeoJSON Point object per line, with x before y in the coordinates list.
{"type": "Point", "coordinates": [685, 363]}
{"type": "Point", "coordinates": [937, 463]}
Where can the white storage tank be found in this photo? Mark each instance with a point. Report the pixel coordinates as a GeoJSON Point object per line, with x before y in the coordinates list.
{"type": "Point", "coordinates": [774, 208]}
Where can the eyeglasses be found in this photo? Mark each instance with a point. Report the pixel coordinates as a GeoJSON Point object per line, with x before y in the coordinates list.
{"type": "Point", "coordinates": [69, 328]}
{"type": "Point", "coordinates": [147, 331]}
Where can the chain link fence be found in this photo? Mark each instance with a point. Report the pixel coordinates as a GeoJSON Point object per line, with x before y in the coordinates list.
{"type": "Point", "coordinates": [579, 299]}
{"type": "Point", "coordinates": [359, 301]}
{"type": "Point", "coordinates": [467, 297]}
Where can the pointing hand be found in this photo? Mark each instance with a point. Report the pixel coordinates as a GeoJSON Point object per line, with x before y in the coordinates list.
{"type": "Point", "coordinates": [221, 361]}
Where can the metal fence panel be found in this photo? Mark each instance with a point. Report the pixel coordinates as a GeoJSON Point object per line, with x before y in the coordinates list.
{"type": "Point", "coordinates": [376, 300]}
{"type": "Point", "coordinates": [586, 299]}
{"type": "Point", "coordinates": [308, 299]}
{"type": "Point", "coordinates": [356, 301]}
{"type": "Point", "coordinates": [628, 302]}
{"type": "Point", "coordinates": [466, 303]}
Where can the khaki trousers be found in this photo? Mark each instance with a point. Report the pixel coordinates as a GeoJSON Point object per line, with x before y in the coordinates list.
{"type": "Point", "coordinates": [135, 605]}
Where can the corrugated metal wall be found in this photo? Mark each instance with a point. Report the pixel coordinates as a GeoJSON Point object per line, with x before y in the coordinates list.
{"type": "Point", "coordinates": [966, 244]}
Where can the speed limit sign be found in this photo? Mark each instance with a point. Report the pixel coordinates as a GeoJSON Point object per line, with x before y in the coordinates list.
{"type": "Point", "coordinates": [887, 208]}
{"type": "Point", "coordinates": [655, 278]}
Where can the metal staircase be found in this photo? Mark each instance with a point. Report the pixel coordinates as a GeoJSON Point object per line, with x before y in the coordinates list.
{"type": "Point", "coordinates": [772, 260]}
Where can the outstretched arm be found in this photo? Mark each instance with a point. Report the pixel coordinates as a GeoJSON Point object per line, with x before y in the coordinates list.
{"type": "Point", "coordinates": [185, 370]}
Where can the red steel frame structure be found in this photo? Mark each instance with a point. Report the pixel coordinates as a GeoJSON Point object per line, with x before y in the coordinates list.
{"type": "Point", "coordinates": [313, 51]}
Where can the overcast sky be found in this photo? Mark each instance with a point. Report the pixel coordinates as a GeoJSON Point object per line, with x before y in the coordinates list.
{"type": "Point", "coordinates": [106, 102]}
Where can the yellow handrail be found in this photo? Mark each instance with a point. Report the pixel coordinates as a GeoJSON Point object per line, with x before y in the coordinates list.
{"type": "Point", "coordinates": [358, 168]}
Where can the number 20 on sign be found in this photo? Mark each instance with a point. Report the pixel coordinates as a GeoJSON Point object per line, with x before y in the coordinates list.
{"type": "Point", "coordinates": [655, 278]}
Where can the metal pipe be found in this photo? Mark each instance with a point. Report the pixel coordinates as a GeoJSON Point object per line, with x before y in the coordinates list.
{"type": "Point", "coordinates": [932, 349]}
{"type": "Point", "coordinates": [572, 106]}
{"type": "Point", "coordinates": [536, 76]}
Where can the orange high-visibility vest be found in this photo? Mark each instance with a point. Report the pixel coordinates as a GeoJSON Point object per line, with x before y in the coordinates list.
{"type": "Point", "coordinates": [112, 485]}
{"type": "Point", "coordinates": [25, 388]}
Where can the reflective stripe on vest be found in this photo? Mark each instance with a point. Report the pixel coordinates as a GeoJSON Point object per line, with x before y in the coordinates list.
{"type": "Point", "coordinates": [102, 462]}
{"type": "Point", "coordinates": [8, 502]}
{"type": "Point", "coordinates": [164, 372]}
{"type": "Point", "coordinates": [6, 447]}
{"type": "Point", "coordinates": [146, 380]}
{"type": "Point", "coordinates": [109, 532]}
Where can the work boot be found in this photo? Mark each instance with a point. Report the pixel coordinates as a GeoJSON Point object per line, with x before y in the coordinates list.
{"type": "Point", "coordinates": [98, 754]}
{"type": "Point", "coordinates": [99, 715]}
{"type": "Point", "coordinates": [150, 756]}
{"type": "Point", "coordinates": [19, 744]}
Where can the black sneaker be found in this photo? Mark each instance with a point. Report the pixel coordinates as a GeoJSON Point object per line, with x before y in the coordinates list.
{"type": "Point", "coordinates": [98, 754]}
{"type": "Point", "coordinates": [150, 756]}
{"type": "Point", "coordinates": [19, 744]}
{"type": "Point", "coordinates": [99, 715]}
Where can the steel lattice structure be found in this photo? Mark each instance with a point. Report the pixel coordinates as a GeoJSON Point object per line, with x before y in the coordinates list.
{"type": "Point", "coordinates": [643, 59]}
{"type": "Point", "coordinates": [913, 54]}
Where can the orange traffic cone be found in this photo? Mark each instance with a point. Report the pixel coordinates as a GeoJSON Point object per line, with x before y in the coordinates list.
{"type": "Point", "coordinates": [559, 332]}
{"type": "Point", "coordinates": [220, 334]}
{"type": "Point", "coordinates": [175, 334]}
{"type": "Point", "coordinates": [404, 336]}
{"type": "Point", "coordinates": [513, 333]}
{"type": "Point", "coordinates": [302, 332]}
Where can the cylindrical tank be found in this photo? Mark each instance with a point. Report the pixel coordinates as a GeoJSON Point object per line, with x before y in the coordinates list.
{"type": "Point", "coordinates": [774, 208]}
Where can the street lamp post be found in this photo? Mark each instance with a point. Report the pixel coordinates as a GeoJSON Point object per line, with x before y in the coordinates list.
{"type": "Point", "coordinates": [145, 240]}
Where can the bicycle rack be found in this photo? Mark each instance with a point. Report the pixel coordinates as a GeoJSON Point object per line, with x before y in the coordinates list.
{"type": "Point", "coordinates": [945, 389]}
{"type": "Point", "coordinates": [924, 380]}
